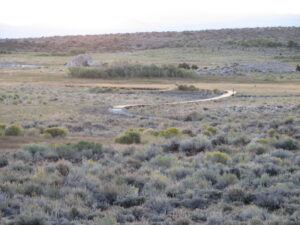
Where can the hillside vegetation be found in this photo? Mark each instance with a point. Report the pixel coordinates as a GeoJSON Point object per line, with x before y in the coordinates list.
{"type": "Point", "coordinates": [274, 36]}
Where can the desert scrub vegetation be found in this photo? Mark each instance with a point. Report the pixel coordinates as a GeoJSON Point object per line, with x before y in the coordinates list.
{"type": "Point", "coordinates": [129, 136]}
{"type": "Point", "coordinates": [88, 183]}
{"type": "Point", "coordinates": [188, 66]}
{"type": "Point", "coordinates": [13, 130]}
{"type": "Point", "coordinates": [168, 132]}
{"type": "Point", "coordinates": [259, 42]}
{"type": "Point", "coordinates": [56, 132]}
{"type": "Point", "coordinates": [185, 87]}
{"type": "Point", "coordinates": [127, 70]}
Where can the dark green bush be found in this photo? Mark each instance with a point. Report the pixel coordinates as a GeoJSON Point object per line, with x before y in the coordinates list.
{"type": "Point", "coordinates": [185, 87]}
{"type": "Point", "coordinates": [131, 71]}
{"type": "Point", "coordinates": [13, 130]}
{"type": "Point", "coordinates": [96, 148]}
{"type": "Point", "coordinates": [287, 144]}
{"type": "Point", "coordinates": [32, 189]}
{"type": "Point", "coordinates": [3, 161]}
{"type": "Point", "coordinates": [292, 44]}
{"type": "Point", "coordinates": [184, 66]}
{"type": "Point", "coordinates": [130, 136]}
{"type": "Point", "coordinates": [63, 169]}
{"type": "Point", "coordinates": [56, 131]}
{"type": "Point", "coordinates": [194, 67]}
{"type": "Point", "coordinates": [74, 214]}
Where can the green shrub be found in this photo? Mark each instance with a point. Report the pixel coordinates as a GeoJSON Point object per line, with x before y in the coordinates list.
{"type": "Point", "coordinates": [58, 53]}
{"type": "Point", "coordinates": [283, 154]}
{"type": "Point", "coordinates": [257, 148]}
{"type": "Point", "coordinates": [218, 157]}
{"type": "Point", "coordinates": [130, 136]}
{"type": "Point", "coordinates": [289, 120]}
{"type": "Point", "coordinates": [95, 148]}
{"type": "Point", "coordinates": [272, 132]}
{"type": "Point", "coordinates": [235, 194]}
{"type": "Point", "coordinates": [1, 132]}
{"type": "Point", "coordinates": [226, 180]}
{"type": "Point", "coordinates": [13, 130]}
{"type": "Point", "coordinates": [194, 145]}
{"type": "Point", "coordinates": [63, 168]}
{"type": "Point", "coordinates": [35, 148]}
{"type": "Point", "coordinates": [164, 161]}
{"type": "Point", "coordinates": [3, 161]}
{"type": "Point", "coordinates": [168, 133]}
{"type": "Point", "coordinates": [210, 131]}
{"type": "Point", "coordinates": [261, 141]}
{"type": "Point", "coordinates": [56, 131]}
{"type": "Point", "coordinates": [185, 87]}
{"type": "Point", "coordinates": [194, 116]}
{"type": "Point", "coordinates": [4, 51]}
{"type": "Point", "coordinates": [292, 44]}
{"type": "Point", "coordinates": [32, 189]}
{"type": "Point", "coordinates": [194, 67]}
{"type": "Point", "coordinates": [2, 126]}
{"type": "Point", "coordinates": [131, 71]}
{"type": "Point", "coordinates": [287, 144]}
{"type": "Point", "coordinates": [77, 51]}
{"type": "Point", "coordinates": [184, 66]}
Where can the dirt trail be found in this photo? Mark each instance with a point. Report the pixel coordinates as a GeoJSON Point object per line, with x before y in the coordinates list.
{"type": "Point", "coordinates": [121, 109]}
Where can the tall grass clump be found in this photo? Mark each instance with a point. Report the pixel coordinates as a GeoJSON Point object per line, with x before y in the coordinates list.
{"type": "Point", "coordinates": [127, 70]}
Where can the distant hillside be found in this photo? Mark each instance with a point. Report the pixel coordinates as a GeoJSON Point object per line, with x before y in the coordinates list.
{"type": "Point", "coordinates": [247, 37]}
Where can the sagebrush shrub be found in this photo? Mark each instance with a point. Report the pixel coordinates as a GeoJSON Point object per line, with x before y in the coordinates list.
{"type": "Point", "coordinates": [164, 161]}
{"type": "Point", "coordinates": [169, 132]}
{"type": "Point", "coordinates": [130, 136]}
{"type": "Point", "coordinates": [195, 145]}
{"type": "Point", "coordinates": [56, 131]}
{"type": "Point", "coordinates": [218, 157]}
{"type": "Point", "coordinates": [13, 130]}
{"type": "Point", "coordinates": [184, 66]}
{"type": "Point", "coordinates": [283, 154]}
{"type": "Point", "coordinates": [2, 126]}
{"type": "Point", "coordinates": [210, 131]}
{"type": "Point", "coordinates": [287, 144]}
{"type": "Point", "coordinates": [30, 220]}
{"type": "Point", "coordinates": [185, 87]}
{"type": "Point", "coordinates": [236, 194]}
{"type": "Point", "coordinates": [63, 168]}
{"type": "Point", "coordinates": [257, 148]}
{"type": "Point", "coordinates": [3, 161]}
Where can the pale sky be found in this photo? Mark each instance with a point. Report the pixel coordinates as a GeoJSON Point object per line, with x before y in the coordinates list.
{"type": "Point", "coordinates": [48, 17]}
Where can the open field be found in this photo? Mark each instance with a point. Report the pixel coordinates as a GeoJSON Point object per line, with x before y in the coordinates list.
{"type": "Point", "coordinates": [69, 160]}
